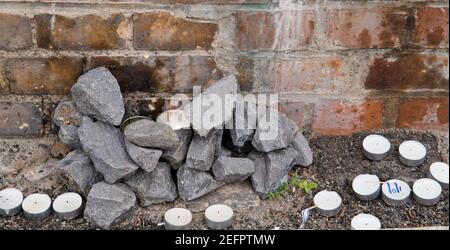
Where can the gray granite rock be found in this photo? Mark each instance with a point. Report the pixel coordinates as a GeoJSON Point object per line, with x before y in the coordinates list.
{"type": "Point", "coordinates": [67, 113]}
{"type": "Point", "coordinates": [105, 146]}
{"type": "Point", "coordinates": [201, 152]}
{"type": "Point", "coordinates": [108, 204]}
{"type": "Point", "coordinates": [97, 94]}
{"type": "Point", "coordinates": [270, 169]}
{"type": "Point", "coordinates": [193, 184]}
{"type": "Point", "coordinates": [151, 134]}
{"type": "Point", "coordinates": [225, 86]}
{"type": "Point", "coordinates": [304, 156]}
{"type": "Point", "coordinates": [146, 158]}
{"type": "Point", "coordinates": [68, 135]}
{"type": "Point", "coordinates": [229, 169]}
{"type": "Point", "coordinates": [244, 122]}
{"type": "Point", "coordinates": [155, 187]}
{"type": "Point", "coordinates": [175, 157]}
{"type": "Point", "coordinates": [78, 168]}
{"type": "Point", "coordinates": [284, 130]}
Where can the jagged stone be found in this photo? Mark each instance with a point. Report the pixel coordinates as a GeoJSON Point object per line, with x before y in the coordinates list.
{"type": "Point", "coordinates": [66, 113]}
{"type": "Point", "coordinates": [201, 152]}
{"type": "Point", "coordinates": [68, 134]}
{"type": "Point", "coordinates": [175, 157]}
{"type": "Point", "coordinates": [193, 183]}
{"type": "Point", "coordinates": [105, 146]}
{"type": "Point", "coordinates": [78, 168]}
{"type": "Point", "coordinates": [146, 158]}
{"type": "Point", "coordinates": [244, 122]}
{"type": "Point", "coordinates": [304, 156]}
{"type": "Point", "coordinates": [151, 134]}
{"type": "Point", "coordinates": [97, 94]}
{"type": "Point", "coordinates": [108, 204]}
{"type": "Point", "coordinates": [155, 187]}
{"type": "Point", "coordinates": [229, 169]}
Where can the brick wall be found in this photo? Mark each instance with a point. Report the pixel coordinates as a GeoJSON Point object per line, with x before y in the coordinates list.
{"type": "Point", "coordinates": [340, 66]}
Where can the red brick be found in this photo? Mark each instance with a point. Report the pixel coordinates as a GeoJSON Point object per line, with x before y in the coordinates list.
{"type": "Point", "coordinates": [337, 117]}
{"type": "Point", "coordinates": [245, 68]}
{"type": "Point", "coordinates": [295, 111]}
{"type": "Point", "coordinates": [15, 32]}
{"type": "Point", "coordinates": [431, 28]}
{"type": "Point", "coordinates": [288, 30]}
{"type": "Point", "coordinates": [412, 71]}
{"type": "Point", "coordinates": [42, 75]}
{"type": "Point", "coordinates": [162, 31]}
{"type": "Point", "coordinates": [309, 74]}
{"type": "Point", "coordinates": [84, 32]}
{"type": "Point", "coordinates": [423, 113]}
{"type": "Point", "coordinates": [20, 119]}
{"type": "Point", "coordinates": [201, 1]}
{"type": "Point", "coordinates": [366, 28]}
{"type": "Point", "coordinates": [160, 74]}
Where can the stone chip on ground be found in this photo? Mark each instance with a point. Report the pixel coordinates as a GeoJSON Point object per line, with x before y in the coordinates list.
{"type": "Point", "coordinates": [153, 187]}
{"type": "Point", "coordinates": [193, 184]}
{"type": "Point", "coordinates": [97, 94]}
{"type": "Point", "coordinates": [146, 158]}
{"type": "Point", "coordinates": [175, 157]}
{"type": "Point", "coordinates": [68, 134]}
{"type": "Point", "coordinates": [200, 155]}
{"type": "Point", "coordinates": [229, 169]}
{"type": "Point", "coordinates": [106, 147]}
{"type": "Point", "coordinates": [108, 204]}
{"type": "Point", "coordinates": [77, 166]}
{"type": "Point", "coordinates": [150, 134]}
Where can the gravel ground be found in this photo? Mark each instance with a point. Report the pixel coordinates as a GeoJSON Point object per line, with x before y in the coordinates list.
{"type": "Point", "coordinates": [337, 161]}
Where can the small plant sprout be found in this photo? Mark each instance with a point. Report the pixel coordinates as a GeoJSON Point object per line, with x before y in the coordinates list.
{"type": "Point", "coordinates": [293, 184]}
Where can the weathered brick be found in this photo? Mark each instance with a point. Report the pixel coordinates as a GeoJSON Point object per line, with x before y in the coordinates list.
{"type": "Point", "coordinates": [431, 28]}
{"type": "Point", "coordinates": [337, 117]}
{"type": "Point", "coordinates": [84, 32]}
{"type": "Point", "coordinates": [423, 113]}
{"type": "Point", "coordinates": [201, 1]}
{"type": "Point", "coordinates": [295, 111]}
{"type": "Point", "coordinates": [366, 27]}
{"type": "Point", "coordinates": [245, 68]}
{"type": "Point", "coordinates": [287, 30]}
{"type": "Point", "coordinates": [162, 31]}
{"type": "Point", "coordinates": [15, 32]}
{"type": "Point", "coordinates": [20, 119]}
{"type": "Point", "coordinates": [160, 74]}
{"type": "Point", "coordinates": [411, 71]}
{"type": "Point", "coordinates": [54, 75]}
{"type": "Point", "coordinates": [309, 74]}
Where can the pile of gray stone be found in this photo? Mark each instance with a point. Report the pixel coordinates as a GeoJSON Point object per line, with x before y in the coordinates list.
{"type": "Point", "coordinates": [150, 162]}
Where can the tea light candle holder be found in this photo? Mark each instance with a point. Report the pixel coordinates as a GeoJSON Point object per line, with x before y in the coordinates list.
{"type": "Point", "coordinates": [10, 201]}
{"type": "Point", "coordinates": [366, 187]}
{"type": "Point", "coordinates": [427, 192]}
{"type": "Point", "coordinates": [219, 216]}
{"type": "Point", "coordinates": [365, 222]}
{"type": "Point", "coordinates": [177, 219]}
{"type": "Point", "coordinates": [376, 147]}
{"type": "Point", "coordinates": [412, 153]}
{"type": "Point", "coordinates": [67, 206]}
{"type": "Point", "coordinates": [36, 206]}
{"type": "Point", "coordinates": [439, 172]}
{"type": "Point", "coordinates": [395, 192]}
{"type": "Point", "coordinates": [328, 203]}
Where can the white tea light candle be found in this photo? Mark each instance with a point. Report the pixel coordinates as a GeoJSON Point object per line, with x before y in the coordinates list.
{"type": "Point", "coordinates": [37, 206]}
{"type": "Point", "coordinates": [439, 172]}
{"type": "Point", "coordinates": [427, 192]}
{"type": "Point", "coordinates": [365, 222]}
{"type": "Point", "coordinates": [367, 187]}
{"type": "Point", "coordinates": [176, 119]}
{"type": "Point", "coordinates": [10, 201]}
{"type": "Point", "coordinates": [219, 216]}
{"type": "Point", "coordinates": [376, 147]}
{"type": "Point", "coordinates": [412, 153]}
{"type": "Point", "coordinates": [395, 192]}
{"type": "Point", "coordinates": [328, 203]}
{"type": "Point", "coordinates": [67, 206]}
{"type": "Point", "coordinates": [177, 219]}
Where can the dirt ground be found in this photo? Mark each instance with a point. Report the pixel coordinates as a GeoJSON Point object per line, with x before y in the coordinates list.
{"type": "Point", "coordinates": [337, 160]}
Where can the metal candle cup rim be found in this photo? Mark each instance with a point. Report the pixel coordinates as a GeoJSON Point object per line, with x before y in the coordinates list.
{"type": "Point", "coordinates": [130, 120]}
